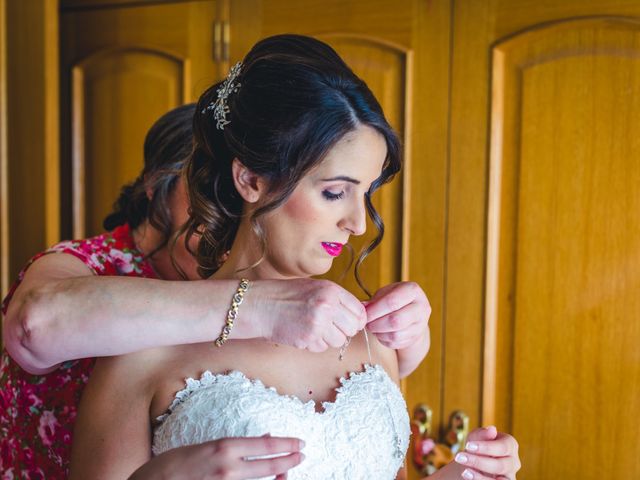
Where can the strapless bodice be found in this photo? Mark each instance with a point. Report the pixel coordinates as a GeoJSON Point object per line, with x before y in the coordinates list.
{"type": "Point", "coordinates": [362, 434]}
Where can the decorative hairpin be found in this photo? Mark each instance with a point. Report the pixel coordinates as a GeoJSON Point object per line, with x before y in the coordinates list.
{"type": "Point", "coordinates": [219, 106]}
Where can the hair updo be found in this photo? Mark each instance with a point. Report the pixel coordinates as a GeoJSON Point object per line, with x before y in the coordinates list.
{"type": "Point", "coordinates": [297, 99]}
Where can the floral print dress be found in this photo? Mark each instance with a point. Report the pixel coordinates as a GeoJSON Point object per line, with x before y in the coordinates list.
{"type": "Point", "coordinates": [37, 412]}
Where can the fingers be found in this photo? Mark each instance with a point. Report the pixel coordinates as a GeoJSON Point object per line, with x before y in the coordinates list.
{"type": "Point", "coordinates": [502, 446]}
{"type": "Point", "coordinates": [317, 346]}
{"type": "Point", "coordinates": [256, 446]}
{"type": "Point", "coordinates": [395, 321]}
{"type": "Point", "coordinates": [356, 308]}
{"type": "Point", "coordinates": [399, 340]}
{"type": "Point", "coordinates": [492, 453]}
{"type": "Point", "coordinates": [487, 465]}
{"type": "Point", "coordinates": [348, 324]}
{"type": "Point", "coordinates": [271, 466]}
{"type": "Point", "coordinates": [240, 457]}
{"type": "Point", "coordinates": [386, 300]}
{"type": "Point", "coordinates": [484, 433]}
{"type": "Point", "coordinates": [400, 329]}
{"type": "Point", "coordinates": [395, 296]}
{"type": "Point", "coordinates": [335, 337]}
{"type": "Point", "coordinates": [470, 474]}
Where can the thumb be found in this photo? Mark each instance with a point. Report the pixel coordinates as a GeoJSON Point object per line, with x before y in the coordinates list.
{"type": "Point", "coordinates": [483, 434]}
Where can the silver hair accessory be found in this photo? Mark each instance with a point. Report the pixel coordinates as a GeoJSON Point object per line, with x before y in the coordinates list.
{"type": "Point", "coordinates": [219, 106]}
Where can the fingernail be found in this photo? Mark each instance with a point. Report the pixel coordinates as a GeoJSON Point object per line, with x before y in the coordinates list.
{"type": "Point", "coordinates": [462, 458]}
{"type": "Point", "coordinates": [472, 447]}
{"type": "Point", "coordinates": [302, 444]}
{"type": "Point", "coordinates": [468, 474]}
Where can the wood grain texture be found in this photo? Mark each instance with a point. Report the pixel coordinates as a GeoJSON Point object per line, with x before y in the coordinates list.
{"type": "Point", "coordinates": [4, 167]}
{"type": "Point", "coordinates": [566, 255]}
{"type": "Point", "coordinates": [466, 221]}
{"type": "Point", "coordinates": [117, 94]}
{"type": "Point", "coordinates": [32, 110]}
{"type": "Point", "coordinates": [122, 69]}
{"type": "Point", "coordinates": [550, 215]}
{"type": "Point", "coordinates": [427, 194]}
{"type": "Point", "coordinates": [71, 5]}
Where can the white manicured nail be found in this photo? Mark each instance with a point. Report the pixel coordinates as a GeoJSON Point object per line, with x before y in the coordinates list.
{"type": "Point", "coordinates": [472, 447]}
{"type": "Point", "coordinates": [462, 458]}
{"type": "Point", "coordinates": [468, 474]}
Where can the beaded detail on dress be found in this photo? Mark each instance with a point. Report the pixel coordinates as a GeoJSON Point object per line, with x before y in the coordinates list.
{"type": "Point", "coordinates": [362, 434]}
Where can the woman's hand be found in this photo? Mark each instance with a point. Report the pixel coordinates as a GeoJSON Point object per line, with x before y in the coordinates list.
{"type": "Point", "coordinates": [489, 454]}
{"type": "Point", "coordinates": [224, 459]}
{"type": "Point", "coordinates": [398, 315]}
{"type": "Point", "coordinates": [295, 312]}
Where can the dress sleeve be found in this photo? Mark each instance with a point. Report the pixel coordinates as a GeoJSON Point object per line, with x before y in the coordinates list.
{"type": "Point", "coordinates": [90, 251]}
{"type": "Point", "coordinates": [82, 250]}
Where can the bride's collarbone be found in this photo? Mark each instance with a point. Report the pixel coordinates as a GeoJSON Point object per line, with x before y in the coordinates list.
{"type": "Point", "coordinates": [303, 374]}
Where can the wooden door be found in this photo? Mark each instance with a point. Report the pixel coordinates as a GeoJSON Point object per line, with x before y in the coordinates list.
{"type": "Point", "coordinates": [543, 259]}
{"type": "Point", "coordinates": [121, 68]}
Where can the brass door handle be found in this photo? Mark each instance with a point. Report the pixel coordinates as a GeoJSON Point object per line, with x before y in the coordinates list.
{"type": "Point", "coordinates": [457, 431]}
{"type": "Point", "coordinates": [428, 454]}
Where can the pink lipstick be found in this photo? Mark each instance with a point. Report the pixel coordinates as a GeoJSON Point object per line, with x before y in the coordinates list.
{"type": "Point", "coordinates": [332, 249]}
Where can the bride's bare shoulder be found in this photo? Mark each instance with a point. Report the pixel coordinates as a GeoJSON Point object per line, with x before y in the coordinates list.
{"type": "Point", "coordinates": [135, 371]}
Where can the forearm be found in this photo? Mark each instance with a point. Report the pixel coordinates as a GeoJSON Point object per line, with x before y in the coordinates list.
{"type": "Point", "coordinates": [409, 358]}
{"type": "Point", "coordinates": [102, 316]}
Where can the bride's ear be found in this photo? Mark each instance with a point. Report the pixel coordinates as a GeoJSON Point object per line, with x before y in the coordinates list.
{"type": "Point", "coordinates": [249, 185]}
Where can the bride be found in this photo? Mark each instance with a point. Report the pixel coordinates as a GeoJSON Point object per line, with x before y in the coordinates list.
{"type": "Point", "coordinates": [287, 152]}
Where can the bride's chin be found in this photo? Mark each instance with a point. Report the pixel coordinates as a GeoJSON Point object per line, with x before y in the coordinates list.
{"type": "Point", "coordinates": [322, 270]}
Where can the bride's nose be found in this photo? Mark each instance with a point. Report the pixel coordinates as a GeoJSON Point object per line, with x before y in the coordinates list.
{"type": "Point", "coordinates": [355, 219]}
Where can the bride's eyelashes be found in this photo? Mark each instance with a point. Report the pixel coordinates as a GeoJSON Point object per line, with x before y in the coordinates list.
{"type": "Point", "coordinates": [329, 195]}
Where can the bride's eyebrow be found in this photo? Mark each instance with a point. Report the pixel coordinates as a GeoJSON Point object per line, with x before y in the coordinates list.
{"type": "Point", "coordinates": [343, 178]}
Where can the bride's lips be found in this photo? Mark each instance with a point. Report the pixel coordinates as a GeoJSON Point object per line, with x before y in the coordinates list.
{"type": "Point", "coordinates": [332, 249]}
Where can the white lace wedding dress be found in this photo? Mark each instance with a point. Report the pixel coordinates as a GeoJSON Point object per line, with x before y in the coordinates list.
{"type": "Point", "coordinates": [362, 435]}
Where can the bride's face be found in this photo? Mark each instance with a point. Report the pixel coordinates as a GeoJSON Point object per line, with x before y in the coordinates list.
{"type": "Point", "coordinates": [308, 231]}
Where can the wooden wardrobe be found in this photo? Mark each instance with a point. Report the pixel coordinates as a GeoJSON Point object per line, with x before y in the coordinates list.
{"type": "Point", "coordinates": [517, 211]}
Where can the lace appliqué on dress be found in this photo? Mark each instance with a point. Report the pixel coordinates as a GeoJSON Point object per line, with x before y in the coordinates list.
{"type": "Point", "coordinates": [362, 434]}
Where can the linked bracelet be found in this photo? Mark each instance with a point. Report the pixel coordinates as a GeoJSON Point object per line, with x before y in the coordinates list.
{"type": "Point", "coordinates": [236, 300]}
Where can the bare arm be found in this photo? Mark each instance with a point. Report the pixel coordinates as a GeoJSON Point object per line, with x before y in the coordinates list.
{"type": "Point", "coordinates": [410, 357]}
{"type": "Point", "coordinates": [61, 311]}
{"type": "Point", "coordinates": [112, 434]}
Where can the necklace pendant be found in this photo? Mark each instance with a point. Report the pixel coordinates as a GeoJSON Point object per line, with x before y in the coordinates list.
{"type": "Point", "coordinates": [344, 348]}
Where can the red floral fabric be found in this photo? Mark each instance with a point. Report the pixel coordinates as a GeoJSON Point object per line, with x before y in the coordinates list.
{"type": "Point", "coordinates": [37, 412]}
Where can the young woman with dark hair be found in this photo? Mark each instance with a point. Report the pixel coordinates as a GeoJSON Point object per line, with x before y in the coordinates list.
{"type": "Point", "coordinates": [67, 309]}
{"type": "Point", "coordinates": [288, 151]}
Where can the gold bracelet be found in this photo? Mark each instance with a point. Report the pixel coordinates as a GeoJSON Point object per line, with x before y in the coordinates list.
{"type": "Point", "coordinates": [236, 300]}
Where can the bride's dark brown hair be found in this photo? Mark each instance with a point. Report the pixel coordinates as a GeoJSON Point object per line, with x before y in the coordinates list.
{"type": "Point", "coordinates": [297, 99]}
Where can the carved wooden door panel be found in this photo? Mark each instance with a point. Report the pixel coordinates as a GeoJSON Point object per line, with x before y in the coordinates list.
{"type": "Point", "coordinates": [121, 68]}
